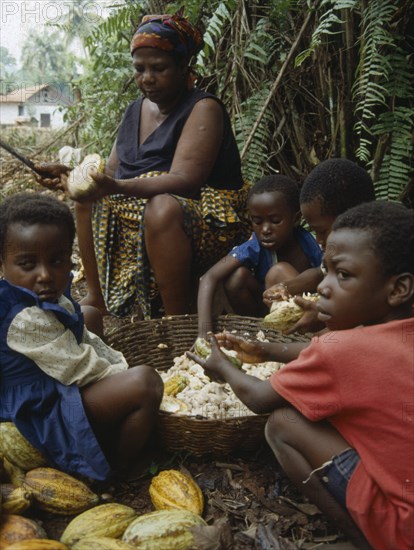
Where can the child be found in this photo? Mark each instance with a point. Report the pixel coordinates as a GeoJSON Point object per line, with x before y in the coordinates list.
{"type": "Point", "coordinates": [331, 188]}
{"type": "Point", "coordinates": [276, 251]}
{"type": "Point", "coordinates": [69, 394]}
{"type": "Point", "coordinates": [342, 423]}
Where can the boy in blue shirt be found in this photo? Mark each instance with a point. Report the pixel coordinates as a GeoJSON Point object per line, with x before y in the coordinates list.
{"type": "Point", "coordinates": [278, 250]}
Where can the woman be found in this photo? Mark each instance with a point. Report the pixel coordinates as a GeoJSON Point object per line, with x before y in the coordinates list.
{"type": "Point", "coordinates": [172, 198]}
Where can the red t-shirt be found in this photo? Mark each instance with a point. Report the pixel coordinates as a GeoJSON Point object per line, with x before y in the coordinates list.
{"type": "Point", "coordinates": [362, 381]}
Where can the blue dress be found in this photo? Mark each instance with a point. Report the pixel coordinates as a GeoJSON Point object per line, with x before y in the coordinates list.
{"type": "Point", "coordinates": [47, 413]}
{"type": "Point", "coordinates": [259, 260]}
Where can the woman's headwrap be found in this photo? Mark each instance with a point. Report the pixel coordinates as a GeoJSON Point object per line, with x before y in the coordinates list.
{"type": "Point", "coordinates": [170, 33]}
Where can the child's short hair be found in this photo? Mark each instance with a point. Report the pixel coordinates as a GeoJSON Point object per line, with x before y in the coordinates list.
{"type": "Point", "coordinates": [339, 184]}
{"type": "Point", "coordinates": [391, 225]}
{"type": "Point", "coordinates": [282, 184]}
{"type": "Point", "coordinates": [33, 208]}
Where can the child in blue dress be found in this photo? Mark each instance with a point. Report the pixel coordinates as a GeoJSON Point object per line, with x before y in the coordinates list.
{"type": "Point", "coordinates": [277, 250]}
{"type": "Point", "coordinates": [68, 393]}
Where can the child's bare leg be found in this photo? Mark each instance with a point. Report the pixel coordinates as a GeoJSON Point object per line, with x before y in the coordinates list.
{"type": "Point", "coordinates": [301, 446]}
{"type": "Point", "coordinates": [280, 273]}
{"type": "Point", "coordinates": [244, 293]}
{"type": "Point", "coordinates": [122, 410]}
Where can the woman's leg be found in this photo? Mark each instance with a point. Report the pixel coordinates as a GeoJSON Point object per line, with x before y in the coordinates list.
{"type": "Point", "coordinates": [94, 297]}
{"type": "Point", "coordinates": [169, 253]}
{"type": "Point", "coordinates": [301, 446]}
{"type": "Point", "coordinates": [122, 410]}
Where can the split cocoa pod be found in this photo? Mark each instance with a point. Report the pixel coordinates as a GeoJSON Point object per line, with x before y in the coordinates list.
{"type": "Point", "coordinates": [172, 489]}
{"type": "Point", "coordinates": [80, 182]}
{"type": "Point", "coordinates": [284, 314]}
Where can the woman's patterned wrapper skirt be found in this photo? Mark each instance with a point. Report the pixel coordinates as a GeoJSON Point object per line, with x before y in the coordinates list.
{"type": "Point", "coordinates": [214, 223]}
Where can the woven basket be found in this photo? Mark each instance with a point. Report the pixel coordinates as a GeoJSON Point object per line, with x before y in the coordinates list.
{"type": "Point", "coordinates": [139, 342]}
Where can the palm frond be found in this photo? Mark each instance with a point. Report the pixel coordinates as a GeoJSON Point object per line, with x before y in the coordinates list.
{"type": "Point", "coordinates": [329, 23]}
{"type": "Point", "coordinates": [397, 163]}
{"type": "Point", "coordinates": [255, 161]}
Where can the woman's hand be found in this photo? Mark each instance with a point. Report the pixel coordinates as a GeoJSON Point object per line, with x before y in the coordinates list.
{"type": "Point", "coordinates": [248, 351]}
{"type": "Point", "coordinates": [309, 321]}
{"type": "Point", "coordinates": [105, 185]}
{"type": "Point", "coordinates": [59, 173]}
{"type": "Point", "coordinates": [275, 293]}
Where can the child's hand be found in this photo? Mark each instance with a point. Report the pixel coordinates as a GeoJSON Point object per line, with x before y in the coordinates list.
{"type": "Point", "coordinates": [248, 351]}
{"type": "Point", "coordinates": [309, 321]}
{"type": "Point", "coordinates": [275, 293]}
{"type": "Point", "coordinates": [213, 364]}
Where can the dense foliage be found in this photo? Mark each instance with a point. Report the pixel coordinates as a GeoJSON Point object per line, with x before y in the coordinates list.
{"type": "Point", "coordinates": [303, 81]}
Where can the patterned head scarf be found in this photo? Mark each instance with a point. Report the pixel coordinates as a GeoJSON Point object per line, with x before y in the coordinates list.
{"type": "Point", "coordinates": [170, 33]}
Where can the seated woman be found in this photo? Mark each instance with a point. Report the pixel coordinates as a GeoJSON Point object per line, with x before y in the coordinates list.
{"type": "Point", "coordinates": [172, 200]}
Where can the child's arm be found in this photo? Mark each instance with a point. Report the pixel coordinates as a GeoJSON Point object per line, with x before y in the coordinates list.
{"type": "Point", "coordinates": [41, 337]}
{"type": "Point", "coordinates": [309, 321]}
{"type": "Point", "coordinates": [258, 395]}
{"type": "Point", "coordinates": [255, 351]}
{"type": "Point", "coordinates": [307, 281]}
{"type": "Point", "coordinates": [207, 288]}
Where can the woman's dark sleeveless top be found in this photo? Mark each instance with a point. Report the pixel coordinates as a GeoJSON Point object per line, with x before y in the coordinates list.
{"type": "Point", "coordinates": [157, 151]}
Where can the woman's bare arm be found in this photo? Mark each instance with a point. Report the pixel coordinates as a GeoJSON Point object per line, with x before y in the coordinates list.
{"type": "Point", "coordinates": [194, 158]}
{"type": "Point", "coordinates": [112, 162]}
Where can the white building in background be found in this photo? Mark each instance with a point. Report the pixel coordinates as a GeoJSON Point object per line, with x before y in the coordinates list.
{"type": "Point", "coordinates": [37, 106]}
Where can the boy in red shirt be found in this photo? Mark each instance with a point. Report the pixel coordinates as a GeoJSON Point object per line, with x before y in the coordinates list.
{"type": "Point", "coordinates": [342, 420]}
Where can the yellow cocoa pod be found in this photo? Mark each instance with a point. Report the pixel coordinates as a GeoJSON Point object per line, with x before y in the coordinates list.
{"type": "Point", "coordinates": [17, 449]}
{"type": "Point", "coordinates": [203, 349]}
{"type": "Point", "coordinates": [101, 543]}
{"type": "Point", "coordinates": [15, 499]}
{"type": "Point", "coordinates": [105, 520]}
{"type": "Point", "coordinates": [14, 474]}
{"type": "Point", "coordinates": [58, 492]}
{"type": "Point", "coordinates": [38, 544]}
{"type": "Point", "coordinates": [163, 530]}
{"type": "Point", "coordinates": [80, 182]}
{"type": "Point", "coordinates": [284, 314]}
{"type": "Point", "coordinates": [14, 528]}
{"type": "Point", "coordinates": [175, 384]}
{"type": "Point", "coordinates": [171, 489]}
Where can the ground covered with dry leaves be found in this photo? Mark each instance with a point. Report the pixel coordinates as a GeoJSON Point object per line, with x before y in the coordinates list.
{"type": "Point", "coordinates": [249, 503]}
